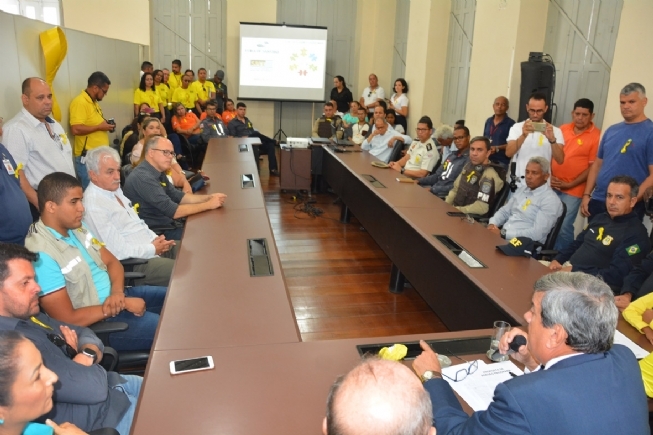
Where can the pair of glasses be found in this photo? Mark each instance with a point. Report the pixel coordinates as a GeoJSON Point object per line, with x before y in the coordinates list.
{"type": "Point", "coordinates": [536, 112]}
{"type": "Point", "coordinates": [166, 153]}
{"type": "Point", "coordinates": [63, 345]}
{"type": "Point", "coordinates": [422, 129]}
{"type": "Point", "coordinates": [463, 373]}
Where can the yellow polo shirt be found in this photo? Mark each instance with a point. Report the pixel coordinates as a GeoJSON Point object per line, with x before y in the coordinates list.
{"type": "Point", "coordinates": [165, 93]}
{"type": "Point", "coordinates": [203, 90]}
{"type": "Point", "coordinates": [85, 111]}
{"type": "Point", "coordinates": [187, 97]}
{"type": "Point", "coordinates": [174, 81]}
{"type": "Point", "coordinates": [150, 97]}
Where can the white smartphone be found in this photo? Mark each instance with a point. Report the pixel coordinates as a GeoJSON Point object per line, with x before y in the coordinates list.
{"type": "Point", "coordinates": [191, 365]}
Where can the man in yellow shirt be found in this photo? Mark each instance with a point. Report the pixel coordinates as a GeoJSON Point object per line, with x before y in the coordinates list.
{"type": "Point", "coordinates": [204, 89]}
{"type": "Point", "coordinates": [174, 81]}
{"type": "Point", "coordinates": [87, 123]}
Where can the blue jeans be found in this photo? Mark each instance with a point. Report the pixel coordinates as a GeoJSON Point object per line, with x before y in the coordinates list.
{"type": "Point", "coordinates": [132, 389]}
{"type": "Point", "coordinates": [566, 235]}
{"type": "Point", "coordinates": [140, 334]}
{"type": "Point", "coordinates": [82, 173]}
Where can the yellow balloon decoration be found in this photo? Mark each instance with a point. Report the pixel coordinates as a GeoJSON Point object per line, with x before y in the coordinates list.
{"type": "Point", "coordinates": [55, 48]}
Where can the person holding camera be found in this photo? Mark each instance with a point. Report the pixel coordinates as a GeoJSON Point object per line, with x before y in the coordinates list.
{"type": "Point", "coordinates": [534, 137]}
{"type": "Point", "coordinates": [87, 122]}
{"type": "Point", "coordinates": [36, 141]}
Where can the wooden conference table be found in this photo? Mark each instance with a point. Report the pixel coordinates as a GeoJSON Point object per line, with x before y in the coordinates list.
{"type": "Point", "coordinates": [266, 380]}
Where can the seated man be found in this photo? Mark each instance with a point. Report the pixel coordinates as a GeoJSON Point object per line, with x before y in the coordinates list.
{"type": "Point", "coordinates": [475, 188]}
{"type": "Point", "coordinates": [155, 199]}
{"type": "Point", "coordinates": [81, 281]}
{"type": "Point", "coordinates": [442, 180]}
{"type": "Point", "coordinates": [443, 137]}
{"type": "Point", "coordinates": [241, 126]}
{"type": "Point", "coordinates": [382, 140]}
{"type": "Point", "coordinates": [328, 125]}
{"type": "Point", "coordinates": [613, 242]}
{"type": "Point", "coordinates": [110, 216]}
{"type": "Point", "coordinates": [211, 125]}
{"type": "Point", "coordinates": [15, 215]}
{"type": "Point", "coordinates": [422, 155]}
{"type": "Point", "coordinates": [532, 210]}
{"type": "Point", "coordinates": [576, 381]}
{"type": "Point", "coordinates": [85, 395]}
{"type": "Point", "coordinates": [638, 283]}
{"type": "Point", "coordinates": [360, 129]}
{"type": "Point", "coordinates": [356, 399]}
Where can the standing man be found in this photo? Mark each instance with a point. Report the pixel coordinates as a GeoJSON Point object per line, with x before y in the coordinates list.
{"type": "Point", "coordinates": [497, 128]}
{"type": "Point", "coordinates": [204, 89]}
{"type": "Point", "coordinates": [441, 182]}
{"type": "Point", "coordinates": [241, 126]}
{"type": "Point", "coordinates": [37, 142]}
{"type": "Point", "coordinates": [382, 140]}
{"type": "Point", "coordinates": [174, 81]}
{"type": "Point", "coordinates": [87, 122]}
{"type": "Point", "coordinates": [626, 148]}
{"type": "Point", "coordinates": [328, 125]}
{"type": "Point", "coordinates": [568, 179]}
{"type": "Point", "coordinates": [146, 67]}
{"type": "Point", "coordinates": [422, 155]}
{"type": "Point", "coordinates": [221, 95]}
{"type": "Point", "coordinates": [576, 380]}
{"type": "Point", "coordinates": [534, 137]}
{"type": "Point", "coordinates": [372, 95]}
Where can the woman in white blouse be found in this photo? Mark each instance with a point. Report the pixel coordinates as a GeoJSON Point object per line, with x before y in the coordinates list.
{"type": "Point", "coordinates": [399, 102]}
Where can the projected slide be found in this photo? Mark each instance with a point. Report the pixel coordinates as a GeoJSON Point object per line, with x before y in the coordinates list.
{"type": "Point", "coordinates": [286, 63]}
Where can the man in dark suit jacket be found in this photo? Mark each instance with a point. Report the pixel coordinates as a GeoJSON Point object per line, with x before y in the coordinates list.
{"type": "Point", "coordinates": [576, 382]}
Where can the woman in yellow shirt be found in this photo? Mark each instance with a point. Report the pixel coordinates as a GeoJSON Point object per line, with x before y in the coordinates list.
{"type": "Point", "coordinates": [145, 93]}
{"type": "Point", "coordinates": [163, 90]}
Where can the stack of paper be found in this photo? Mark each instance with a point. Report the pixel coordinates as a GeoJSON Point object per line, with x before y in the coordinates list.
{"type": "Point", "coordinates": [619, 338]}
{"type": "Point", "coordinates": [477, 389]}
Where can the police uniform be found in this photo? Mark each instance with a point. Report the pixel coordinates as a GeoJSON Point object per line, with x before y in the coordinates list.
{"type": "Point", "coordinates": [422, 156]}
{"type": "Point", "coordinates": [475, 188]}
{"type": "Point", "coordinates": [337, 126]}
{"type": "Point", "coordinates": [608, 248]}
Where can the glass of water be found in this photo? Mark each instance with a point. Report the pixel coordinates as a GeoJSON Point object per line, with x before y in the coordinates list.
{"type": "Point", "coordinates": [500, 328]}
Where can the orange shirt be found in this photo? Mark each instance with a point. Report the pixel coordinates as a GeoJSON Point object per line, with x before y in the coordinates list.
{"type": "Point", "coordinates": [203, 116]}
{"type": "Point", "coordinates": [188, 121]}
{"type": "Point", "coordinates": [227, 116]}
{"type": "Point", "coordinates": [580, 152]}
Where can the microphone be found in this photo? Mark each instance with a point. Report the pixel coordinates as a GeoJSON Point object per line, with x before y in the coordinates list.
{"type": "Point", "coordinates": [517, 342]}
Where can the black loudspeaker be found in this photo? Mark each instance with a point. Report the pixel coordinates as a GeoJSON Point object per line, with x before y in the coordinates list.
{"type": "Point", "coordinates": [537, 75]}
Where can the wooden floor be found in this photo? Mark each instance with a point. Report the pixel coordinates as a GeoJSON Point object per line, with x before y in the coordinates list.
{"type": "Point", "coordinates": [337, 276]}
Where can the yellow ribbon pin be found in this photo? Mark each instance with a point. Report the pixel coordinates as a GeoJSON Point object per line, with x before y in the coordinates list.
{"type": "Point", "coordinates": [19, 168]}
{"type": "Point", "coordinates": [600, 236]}
{"type": "Point", "coordinates": [541, 141]}
{"type": "Point", "coordinates": [579, 141]}
{"type": "Point", "coordinates": [135, 207]}
{"type": "Point", "coordinates": [469, 177]}
{"type": "Point", "coordinates": [526, 204]}
{"type": "Point", "coordinates": [626, 145]}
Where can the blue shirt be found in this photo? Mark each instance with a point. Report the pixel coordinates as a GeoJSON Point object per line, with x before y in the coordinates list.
{"type": "Point", "coordinates": [626, 149]}
{"type": "Point", "coordinates": [15, 216]}
{"type": "Point", "coordinates": [37, 429]}
{"type": "Point", "coordinates": [498, 135]}
{"type": "Point", "coordinates": [50, 278]}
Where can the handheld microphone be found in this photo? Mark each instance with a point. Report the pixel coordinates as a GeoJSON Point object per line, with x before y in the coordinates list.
{"type": "Point", "coordinates": [517, 342]}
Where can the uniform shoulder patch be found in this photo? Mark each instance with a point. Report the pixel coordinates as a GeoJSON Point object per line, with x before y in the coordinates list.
{"type": "Point", "coordinates": [632, 250]}
{"type": "Point", "coordinates": [429, 147]}
{"type": "Point", "coordinates": [486, 186]}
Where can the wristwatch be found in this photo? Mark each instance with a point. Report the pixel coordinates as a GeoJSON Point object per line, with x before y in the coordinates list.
{"type": "Point", "coordinates": [90, 353]}
{"type": "Point", "coordinates": [402, 170]}
{"type": "Point", "coordinates": [554, 141]}
{"type": "Point", "coordinates": [430, 374]}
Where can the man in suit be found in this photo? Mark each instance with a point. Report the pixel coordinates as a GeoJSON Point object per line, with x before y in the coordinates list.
{"type": "Point", "coordinates": [575, 381]}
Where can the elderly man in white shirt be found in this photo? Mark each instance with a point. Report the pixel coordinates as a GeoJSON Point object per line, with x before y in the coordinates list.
{"type": "Point", "coordinates": [109, 215]}
{"type": "Point", "coordinates": [38, 143]}
{"type": "Point", "coordinates": [381, 141]}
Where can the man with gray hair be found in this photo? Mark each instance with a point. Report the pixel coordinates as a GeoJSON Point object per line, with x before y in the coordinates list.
{"type": "Point", "coordinates": [110, 216]}
{"type": "Point", "coordinates": [576, 381]}
{"type": "Point", "coordinates": [443, 137]}
{"type": "Point", "coordinates": [533, 209]}
{"type": "Point", "coordinates": [378, 397]}
{"type": "Point", "coordinates": [625, 148]}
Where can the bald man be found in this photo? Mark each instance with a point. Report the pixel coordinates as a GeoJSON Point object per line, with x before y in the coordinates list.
{"type": "Point", "coordinates": [497, 128]}
{"type": "Point", "coordinates": [378, 397]}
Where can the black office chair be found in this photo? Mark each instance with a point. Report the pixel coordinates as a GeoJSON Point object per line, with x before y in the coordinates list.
{"type": "Point", "coordinates": [499, 201]}
{"type": "Point", "coordinates": [395, 156]}
{"type": "Point", "coordinates": [133, 361]}
{"type": "Point", "coordinates": [546, 251]}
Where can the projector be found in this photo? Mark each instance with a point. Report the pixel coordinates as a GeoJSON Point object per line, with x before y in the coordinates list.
{"type": "Point", "coordinates": [297, 142]}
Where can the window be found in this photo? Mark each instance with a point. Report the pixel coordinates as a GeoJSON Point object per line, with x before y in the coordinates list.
{"type": "Point", "coordinates": [43, 10]}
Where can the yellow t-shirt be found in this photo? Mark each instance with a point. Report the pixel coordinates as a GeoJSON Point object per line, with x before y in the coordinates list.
{"type": "Point", "coordinates": [187, 97]}
{"type": "Point", "coordinates": [174, 81]}
{"type": "Point", "coordinates": [164, 92]}
{"type": "Point", "coordinates": [149, 97]}
{"type": "Point", "coordinates": [85, 111]}
{"type": "Point", "coordinates": [203, 90]}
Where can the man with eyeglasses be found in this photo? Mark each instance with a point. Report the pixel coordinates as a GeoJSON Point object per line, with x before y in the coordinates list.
{"type": "Point", "coordinates": [38, 143]}
{"type": "Point", "coordinates": [372, 95]}
{"type": "Point", "coordinates": [155, 199]}
{"type": "Point", "coordinates": [422, 155]}
{"type": "Point", "coordinates": [204, 89]}
{"type": "Point", "coordinates": [211, 125]}
{"type": "Point", "coordinates": [86, 395]}
{"type": "Point", "coordinates": [381, 141]}
{"type": "Point", "coordinates": [441, 182]}
{"type": "Point", "coordinates": [534, 137]}
{"type": "Point", "coordinates": [87, 122]}
{"type": "Point", "coordinates": [576, 380]}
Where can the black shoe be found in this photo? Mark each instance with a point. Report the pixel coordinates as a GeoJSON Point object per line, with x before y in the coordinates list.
{"type": "Point", "coordinates": [274, 172]}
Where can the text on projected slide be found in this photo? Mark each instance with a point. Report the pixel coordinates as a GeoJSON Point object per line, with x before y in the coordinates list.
{"type": "Point", "coordinates": [289, 63]}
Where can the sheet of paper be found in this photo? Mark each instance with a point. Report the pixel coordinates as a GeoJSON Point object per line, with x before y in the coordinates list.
{"type": "Point", "coordinates": [477, 389]}
{"type": "Point", "coordinates": [619, 338]}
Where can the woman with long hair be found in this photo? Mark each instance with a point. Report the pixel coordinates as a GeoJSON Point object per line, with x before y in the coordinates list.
{"type": "Point", "coordinates": [341, 94]}
{"type": "Point", "coordinates": [146, 93]}
{"type": "Point", "coordinates": [399, 102]}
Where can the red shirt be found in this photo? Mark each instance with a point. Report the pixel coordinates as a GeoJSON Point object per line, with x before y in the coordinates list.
{"type": "Point", "coordinates": [580, 152]}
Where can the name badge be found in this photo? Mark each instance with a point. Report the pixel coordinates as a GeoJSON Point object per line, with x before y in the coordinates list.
{"type": "Point", "coordinates": [8, 166]}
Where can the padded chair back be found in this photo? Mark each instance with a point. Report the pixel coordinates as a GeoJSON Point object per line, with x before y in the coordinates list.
{"type": "Point", "coordinates": [395, 156]}
{"type": "Point", "coordinates": [553, 234]}
{"type": "Point", "coordinates": [324, 129]}
{"type": "Point", "coordinates": [499, 200]}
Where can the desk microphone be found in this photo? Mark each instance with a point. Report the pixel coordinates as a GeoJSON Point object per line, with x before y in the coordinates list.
{"type": "Point", "coordinates": [517, 342]}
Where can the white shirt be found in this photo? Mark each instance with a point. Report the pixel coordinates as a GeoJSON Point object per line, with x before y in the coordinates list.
{"type": "Point", "coordinates": [422, 156]}
{"type": "Point", "coordinates": [399, 101]}
{"type": "Point", "coordinates": [30, 143]}
{"type": "Point", "coordinates": [535, 145]}
{"type": "Point", "coordinates": [119, 227]}
{"type": "Point", "coordinates": [379, 145]}
{"type": "Point", "coordinates": [372, 96]}
{"type": "Point", "coordinates": [357, 131]}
